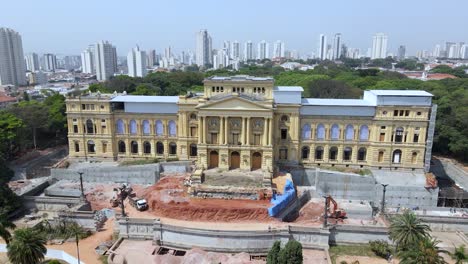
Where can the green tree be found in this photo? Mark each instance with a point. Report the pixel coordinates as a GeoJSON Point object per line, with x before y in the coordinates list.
{"type": "Point", "coordinates": [291, 253]}
{"type": "Point", "coordinates": [460, 255]}
{"type": "Point", "coordinates": [9, 126]}
{"type": "Point", "coordinates": [57, 119]}
{"type": "Point", "coordinates": [72, 229]}
{"type": "Point", "coordinates": [5, 224]}
{"type": "Point", "coordinates": [26, 247]}
{"type": "Point", "coordinates": [424, 251]}
{"type": "Point", "coordinates": [273, 254]}
{"type": "Point", "coordinates": [407, 229]}
{"type": "Point", "coordinates": [34, 116]}
{"type": "Point", "coordinates": [146, 89]}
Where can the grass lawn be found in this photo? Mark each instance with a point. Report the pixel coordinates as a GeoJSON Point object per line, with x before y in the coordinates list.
{"type": "Point", "coordinates": [354, 250]}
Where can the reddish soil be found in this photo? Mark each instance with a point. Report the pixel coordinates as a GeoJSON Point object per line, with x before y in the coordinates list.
{"type": "Point", "coordinates": [169, 198]}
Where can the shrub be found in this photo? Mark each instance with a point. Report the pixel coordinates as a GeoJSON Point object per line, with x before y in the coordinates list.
{"type": "Point", "coordinates": [291, 253]}
{"type": "Point", "coordinates": [381, 248]}
{"type": "Point", "coordinates": [272, 257]}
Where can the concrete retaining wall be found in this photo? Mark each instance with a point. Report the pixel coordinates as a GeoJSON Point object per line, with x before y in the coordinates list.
{"type": "Point", "coordinates": [52, 204]}
{"type": "Point", "coordinates": [445, 223]}
{"type": "Point", "coordinates": [84, 219]}
{"type": "Point", "coordinates": [343, 235]}
{"type": "Point", "coordinates": [138, 174]}
{"type": "Point", "coordinates": [446, 169]}
{"type": "Point", "coordinates": [175, 166]}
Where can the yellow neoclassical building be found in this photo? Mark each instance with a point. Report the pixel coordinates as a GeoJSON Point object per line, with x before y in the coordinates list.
{"type": "Point", "coordinates": [249, 123]}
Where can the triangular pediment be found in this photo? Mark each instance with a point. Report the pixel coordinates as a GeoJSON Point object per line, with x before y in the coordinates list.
{"type": "Point", "coordinates": [233, 103]}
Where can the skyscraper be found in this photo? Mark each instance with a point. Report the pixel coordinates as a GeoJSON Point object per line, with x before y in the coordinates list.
{"type": "Point", "coordinates": [263, 50]}
{"type": "Point", "coordinates": [49, 62]}
{"type": "Point", "coordinates": [322, 50]}
{"type": "Point", "coordinates": [379, 46]}
{"type": "Point", "coordinates": [464, 51]}
{"type": "Point", "coordinates": [32, 62]}
{"type": "Point", "coordinates": [248, 51]}
{"type": "Point", "coordinates": [401, 52]}
{"type": "Point", "coordinates": [203, 49]}
{"type": "Point", "coordinates": [336, 53]}
{"type": "Point", "coordinates": [278, 49]}
{"type": "Point", "coordinates": [235, 50]}
{"type": "Point", "coordinates": [136, 61]}
{"type": "Point", "coordinates": [105, 58]}
{"type": "Point", "coordinates": [12, 65]}
{"type": "Point", "coordinates": [437, 51]}
{"type": "Point", "coordinates": [151, 58]}
{"type": "Point", "coordinates": [87, 60]}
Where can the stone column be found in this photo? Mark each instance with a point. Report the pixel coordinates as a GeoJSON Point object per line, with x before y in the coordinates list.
{"type": "Point", "coordinates": [226, 128]}
{"type": "Point", "coordinates": [243, 131]}
{"type": "Point", "coordinates": [203, 129]}
{"type": "Point", "coordinates": [248, 131]}
{"type": "Point", "coordinates": [221, 130]}
{"type": "Point", "coordinates": [265, 132]}
{"type": "Point", "coordinates": [200, 129]}
{"type": "Point", "coordinates": [270, 131]}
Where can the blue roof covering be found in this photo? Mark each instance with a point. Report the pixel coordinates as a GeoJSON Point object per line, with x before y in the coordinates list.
{"type": "Point", "coordinates": [145, 99]}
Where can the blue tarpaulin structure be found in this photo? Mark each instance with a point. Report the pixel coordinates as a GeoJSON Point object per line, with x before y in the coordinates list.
{"type": "Point", "coordinates": [281, 201]}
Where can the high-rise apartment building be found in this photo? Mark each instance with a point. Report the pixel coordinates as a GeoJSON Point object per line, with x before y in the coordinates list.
{"type": "Point", "coordinates": [401, 52]}
{"type": "Point", "coordinates": [437, 51]}
{"type": "Point", "coordinates": [337, 43]}
{"type": "Point", "coordinates": [464, 51]}
{"type": "Point", "coordinates": [49, 61]}
{"type": "Point", "coordinates": [32, 62]}
{"type": "Point", "coordinates": [136, 62]}
{"type": "Point", "coordinates": [203, 49]}
{"type": "Point", "coordinates": [150, 58]}
{"type": "Point", "coordinates": [379, 46]}
{"type": "Point", "coordinates": [278, 49]}
{"type": "Point", "coordinates": [87, 60]}
{"type": "Point", "coordinates": [248, 51]}
{"type": "Point", "coordinates": [322, 50]}
{"type": "Point", "coordinates": [263, 50]}
{"type": "Point", "coordinates": [12, 65]}
{"type": "Point", "coordinates": [235, 50]}
{"type": "Point", "coordinates": [105, 58]}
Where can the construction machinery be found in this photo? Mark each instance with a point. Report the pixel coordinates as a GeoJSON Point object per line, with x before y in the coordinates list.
{"type": "Point", "coordinates": [121, 193]}
{"type": "Point", "coordinates": [335, 212]}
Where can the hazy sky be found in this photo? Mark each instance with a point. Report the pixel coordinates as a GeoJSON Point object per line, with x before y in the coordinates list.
{"type": "Point", "coordinates": [67, 27]}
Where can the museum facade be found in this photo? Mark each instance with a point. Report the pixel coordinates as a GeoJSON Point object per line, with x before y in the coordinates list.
{"type": "Point", "coordinates": [249, 123]}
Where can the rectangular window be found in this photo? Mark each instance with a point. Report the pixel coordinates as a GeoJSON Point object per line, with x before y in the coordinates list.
{"type": "Point", "coordinates": [381, 156]}
{"type": "Point", "coordinates": [284, 133]}
{"type": "Point", "coordinates": [214, 138]}
{"type": "Point", "coordinates": [75, 128]}
{"type": "Point", "coordinates": [416, 138]}
{"type": "Point", "coordinates": [383, 127]}
{"type": "Point", "coordinates": [406, 112]}
{"type": "Point", "coordinates": [401, 112]}
{"type": "Point", "coordinates": [257, 139]}
{"type": "Point", "coordinates": [235, 139]}
{"type": "Point", "coordinates": [395, 113]}
{"type": "Point", "coordinates": [382, 137]}
{"type": "Point", "coordinates": [283, 155]}
{"type": "Point", "coordinates": [104, 147]}
{"type": "Point", "coordinates": [77, 147]}
{"type": "Point", "coordinates": [83, 106]}
{"type": "Point", "coordinates": [193, 131]}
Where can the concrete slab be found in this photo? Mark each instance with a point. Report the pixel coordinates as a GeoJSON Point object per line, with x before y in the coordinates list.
{"type": "Point", "coordinates": [400, 178]}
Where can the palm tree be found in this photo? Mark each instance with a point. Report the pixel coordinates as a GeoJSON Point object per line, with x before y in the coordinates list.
{"type": "Point", "coordinates": [72, 229]}
{"type": "Point", "coordinates": [459, 255]}
{"type": "Point", "coordinates": [26, 247]}
{"type": "Point", "coordinates": [407, 229]}
{"type": "Point", "coordinates": [4, 225]}
{"type": "Point", "coordinates": [424, 251]}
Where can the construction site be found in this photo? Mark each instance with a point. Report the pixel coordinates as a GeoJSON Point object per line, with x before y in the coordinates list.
{"type": "Point", "coordinates": [161, 213]}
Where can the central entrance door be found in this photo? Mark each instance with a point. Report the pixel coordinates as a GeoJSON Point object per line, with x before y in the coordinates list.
{"type": "Point", "coordinates": [214, 159]}
{"type": "Point", "coordinates": [256, 161]}
{"type": "Point", "coordinates": [235, 160]}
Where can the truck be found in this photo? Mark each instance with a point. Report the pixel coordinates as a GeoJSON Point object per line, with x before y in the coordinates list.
{"type": "Point", "coordinates": [139, 203]}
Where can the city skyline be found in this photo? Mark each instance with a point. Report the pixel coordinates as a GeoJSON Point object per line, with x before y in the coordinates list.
{"type": "Point", "coordinates": [299, 32]}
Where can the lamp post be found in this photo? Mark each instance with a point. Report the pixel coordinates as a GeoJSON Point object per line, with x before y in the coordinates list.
{"type": "Point", "coordinates": [383, 198]}
{"type": "Point", "coordinates": [81, 184]}
{"type": "Point", "coordinates": [325, 214]}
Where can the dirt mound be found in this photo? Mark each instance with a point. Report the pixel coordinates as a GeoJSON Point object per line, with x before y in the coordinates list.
{"type": "Point", "coordinates": [169, 198]}
{"type": "Point", "coordinates": [311, 213]}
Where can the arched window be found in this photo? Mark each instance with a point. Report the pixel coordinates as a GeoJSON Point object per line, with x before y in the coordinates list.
{"type": "Point", "coordinates": [399, 134]}
{"type": "Point", "coordinates": [89, 126]}
{"type": "Point", "coordinates": [347, 152]}
{"type": "Point", "coordinates": [146, 127]}
{"type": "Point", "coordinates": [364, 133]}
{"type": "Point", "coordinates": [333, 153]}
{"type": "Point", "coordinates": [121, 147]}
{"type": "Point", "coordinates": [159, 128]}
{"type": "Point", "coordinates": [134, 147]}
{"type": "Point", "coordinates": [172, 128]}
{"type": "Point", "coordinates": [193, 150]}
{"type": "Point", "coordinates": [306, 131]}
{"type": "Point", "coordinates": [305, 152]}
{"type": "Point", "coordinates": [133, 127]}
{"type": "Point", "coordinates": [120, 128]}
{"type": "Point", "coordinates": [159, 148]}
{"type": "Point", "coordinates": [146, 147]}
{"type": "Point", "coordinates": [320, 132]}
{"type": "Point", "coordinates": [396, 156]}
{"type": "Point", "coordinates": [77, 146]}
{"type": "Point", "coordinates": [414, 157]}
{"type": "Point", "coordinates": [349, 133]}
{"type": "Point", "coordinates": [319, 153]}
{"type": "Point", "coordinates": [362, 152]}
{"type": "Point", "coordinates": [335, 132]}
{"type": "Point", "coordinates": [91, 146]}
{"type": "Point", "coordinates": [172, 148]}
